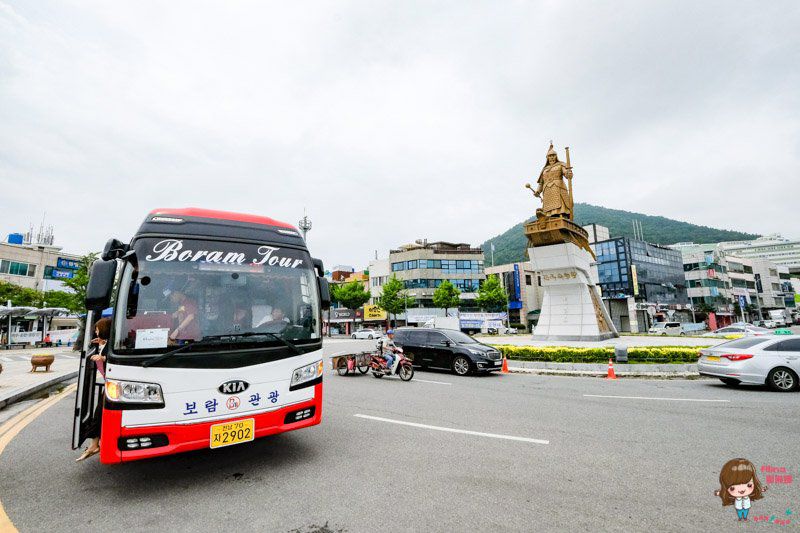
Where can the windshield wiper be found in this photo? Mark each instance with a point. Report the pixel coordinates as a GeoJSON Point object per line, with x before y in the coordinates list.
{"type": "Point", "coordinates": [167, 355]}
{"type": "Point", "coordinates": [275, 336]}
{"type": "Point", "coordinates": [215, 339]}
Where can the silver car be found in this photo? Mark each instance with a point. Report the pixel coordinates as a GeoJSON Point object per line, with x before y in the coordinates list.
{"type": "Point", "coordinates": [766, 360]}
{"type": "Point", "coordinates": [745, 331]}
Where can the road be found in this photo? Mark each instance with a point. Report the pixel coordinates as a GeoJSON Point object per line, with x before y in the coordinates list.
{"type": "Point", "coordinates": [440, 453]}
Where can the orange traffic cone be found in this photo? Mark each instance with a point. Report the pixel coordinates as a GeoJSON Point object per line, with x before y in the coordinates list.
{"type": "Point", "coordinates": [611, 374]}
{"type": "Point", "coordinates": [505, 366]}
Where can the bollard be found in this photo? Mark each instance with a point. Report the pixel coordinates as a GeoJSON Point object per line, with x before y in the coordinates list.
{"type": "Point", "coordinates": [621, 354]}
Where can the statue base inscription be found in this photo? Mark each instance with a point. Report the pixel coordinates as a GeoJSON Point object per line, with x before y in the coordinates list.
{"type": "Point", "coordinates": [571, 307]}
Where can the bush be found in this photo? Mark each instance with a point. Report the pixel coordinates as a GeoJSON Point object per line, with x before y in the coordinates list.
{"type": "Point", "coordinates": [567, 354]}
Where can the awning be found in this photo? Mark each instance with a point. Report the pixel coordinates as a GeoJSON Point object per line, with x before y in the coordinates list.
{"type": "Point", "coordinates": [16, 311]}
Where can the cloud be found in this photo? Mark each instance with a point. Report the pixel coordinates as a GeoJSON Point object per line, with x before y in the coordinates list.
{"type": "Point", "coordinates": [389, 122]}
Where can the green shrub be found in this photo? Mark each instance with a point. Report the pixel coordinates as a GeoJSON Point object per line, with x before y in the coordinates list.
{"type": "Point", "coordinates": [567, 354]}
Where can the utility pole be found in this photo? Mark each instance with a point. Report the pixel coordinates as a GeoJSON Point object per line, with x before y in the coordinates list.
{"type": "Point", "coordinates": [304, 224]}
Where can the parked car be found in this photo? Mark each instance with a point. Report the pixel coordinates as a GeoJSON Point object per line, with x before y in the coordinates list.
{"type": "Point", "coordinates": [666, 328]}
{"type": "Point", "coordinates": [745, 331]}
{"type": "Point", "coordinates": [772, 360]}
{"type": "Point", "coordinates": [502, 330]}
{"type": "Point", "coordinates": [769, 324]}
{"type": "Point", "coordinates": [365, 334]}
{"type": "Point", "coordinates": [448, 349]}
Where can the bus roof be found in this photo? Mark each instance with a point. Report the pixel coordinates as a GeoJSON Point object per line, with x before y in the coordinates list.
{"type": "Point", "coordinates": [198, 212]}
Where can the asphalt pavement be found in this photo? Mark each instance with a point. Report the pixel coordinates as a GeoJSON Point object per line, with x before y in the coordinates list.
{"type": "Point", "coordinates": [440, 453]}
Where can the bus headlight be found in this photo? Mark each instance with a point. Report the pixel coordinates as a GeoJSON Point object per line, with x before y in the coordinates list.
{"type": "Point", "coordinates": [133, 392]}
{"type": "Point", "coordinates": [306, 374]}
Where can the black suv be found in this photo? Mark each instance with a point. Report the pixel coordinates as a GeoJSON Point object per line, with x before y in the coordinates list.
{"type": "Point", "coordinates": [447, 348]}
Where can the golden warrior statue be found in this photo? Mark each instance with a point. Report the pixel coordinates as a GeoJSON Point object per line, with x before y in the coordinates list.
{"type": "Point", "coordinates": [554, 220]}
{"type": "Point", "coordinates": [556, 196]}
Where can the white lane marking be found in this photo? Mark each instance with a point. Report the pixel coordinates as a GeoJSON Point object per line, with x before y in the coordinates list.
{"type": "Point", "coordinates": [434, 382]}
{"type": "Point", "coordinates": [453, 430]}
{"type": "Point", "coordinates": [6, 359]}
{"type": "Point", "coordinates": [647, 398]}
{"type": "Point", "coordinates": [422, 380]}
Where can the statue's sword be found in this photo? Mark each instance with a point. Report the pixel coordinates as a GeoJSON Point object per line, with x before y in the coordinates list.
{"type": "Point", "coordinates": [569, 182]}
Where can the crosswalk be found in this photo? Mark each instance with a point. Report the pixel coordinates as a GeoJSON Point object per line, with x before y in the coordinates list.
{"type": "Point", "coordinates": [27, 357]}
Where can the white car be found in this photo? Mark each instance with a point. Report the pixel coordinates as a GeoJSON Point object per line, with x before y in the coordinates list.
{"type": "Point", "coordinates": [666, 328]}
{"type": "Point", "coordinates": [772, 360]}
{"type": "Point", "coordinates": [744, 331]}
{"type": "Point", "coordinates": [365, 334]}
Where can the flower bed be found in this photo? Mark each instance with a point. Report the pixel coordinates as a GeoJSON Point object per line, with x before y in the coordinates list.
{"type": "Point", "coordinates": [567, 354]}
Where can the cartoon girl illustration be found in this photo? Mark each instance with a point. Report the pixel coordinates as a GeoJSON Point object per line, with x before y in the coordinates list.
{"type": "Point", "coordinates": [739, 485]}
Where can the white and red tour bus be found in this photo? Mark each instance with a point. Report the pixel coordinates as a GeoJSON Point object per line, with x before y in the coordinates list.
{"type": "Point", "coordinates": [215, 335]}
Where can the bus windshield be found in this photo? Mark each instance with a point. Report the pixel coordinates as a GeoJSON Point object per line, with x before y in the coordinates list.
{"type": "Point", "coordinates": [186, 290]}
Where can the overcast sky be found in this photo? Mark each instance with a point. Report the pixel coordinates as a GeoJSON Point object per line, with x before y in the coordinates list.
{"type": "Point", "coordinates": [393, 121]}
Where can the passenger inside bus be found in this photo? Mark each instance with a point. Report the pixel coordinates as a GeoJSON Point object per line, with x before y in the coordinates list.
{"type": "Point", "coordinates": [186, 318]}
{"type": "Point", "coordinates": [276, 322]}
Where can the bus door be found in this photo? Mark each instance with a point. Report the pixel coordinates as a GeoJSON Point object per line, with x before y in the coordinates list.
{"type": "Point", "coordinates": [98, 296]}
{"type": "Point", "coordinates": [86, 397]}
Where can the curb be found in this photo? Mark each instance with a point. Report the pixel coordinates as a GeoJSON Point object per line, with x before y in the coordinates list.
{"type": "Point", "coordinates": [594, 374]}
{"type": "Point", "coordinates": [22, 394]}
{"type": "Point", "coordinates": [685, 371]}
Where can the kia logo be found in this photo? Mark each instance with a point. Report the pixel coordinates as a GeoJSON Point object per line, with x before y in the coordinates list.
{"type": "Point", "coordinates": [233, 386]}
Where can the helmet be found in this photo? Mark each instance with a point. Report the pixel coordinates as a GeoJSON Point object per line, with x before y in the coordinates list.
{"type": "Point", "coordinates": [390, 332]}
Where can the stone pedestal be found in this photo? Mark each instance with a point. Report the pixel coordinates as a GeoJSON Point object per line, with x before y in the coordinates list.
{"type": "Point", "coordinates": [571, 309]}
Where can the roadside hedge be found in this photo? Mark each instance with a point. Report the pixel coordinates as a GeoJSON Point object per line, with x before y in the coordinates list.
{"type": "Point", "coordinates": [567, 354]}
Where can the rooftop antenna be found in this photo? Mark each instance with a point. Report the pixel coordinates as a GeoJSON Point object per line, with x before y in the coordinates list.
{"type": "Point", "coordinates": [305, 224]}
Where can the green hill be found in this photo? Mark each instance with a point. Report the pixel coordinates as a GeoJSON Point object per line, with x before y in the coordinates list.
{"type": "Point", "coordinates": [511, 245]}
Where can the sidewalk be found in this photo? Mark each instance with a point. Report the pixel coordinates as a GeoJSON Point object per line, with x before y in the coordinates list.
{"type": "Point", "coordinates": [601, 369]}
{"type": "Point", "coordinates": [16, 380]}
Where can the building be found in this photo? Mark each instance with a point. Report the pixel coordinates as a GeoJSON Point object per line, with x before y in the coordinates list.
{"type": "Point", "coordinates": [523, 286]}
{"type": "Point", "coordinates": [39, 266]}
{"type": "Point", "coordinates": [423, 266]}
{"type": "Point", "coordinates": [597, 233]}
{"type": "Point", "coordinates": [774, 248]}
{"type": "Point", "coordinates": [379, 272]}
{"type": "Point", "coordinates": [721, 281]}
{"type": "Point", "coordinates": [640, 282]}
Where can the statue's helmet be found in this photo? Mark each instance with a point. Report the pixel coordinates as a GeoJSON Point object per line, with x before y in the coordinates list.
{"type": "Point", "coordinates": [552, 151]}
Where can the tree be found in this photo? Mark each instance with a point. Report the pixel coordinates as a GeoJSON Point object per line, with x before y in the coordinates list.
{"type": "Point", "coordinates": [446, 296]}
{"type": "Point", "coordinates": [491, 295]}
{"type": "Point", "coordinates": [79, 282]}
{"type": "Point", "coordinates": [351, 295]}
{"type": "Point", "coordinates": [19, 296]}
{"type": "Point", "coordinates": [393, 299]}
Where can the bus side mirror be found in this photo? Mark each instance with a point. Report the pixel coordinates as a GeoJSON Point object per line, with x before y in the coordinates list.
{"type": "Point", "coordinates": [324, 293]}
{"type": "Point", "coordinates": [101, 283]}
{"type": "Point", "coordinates": [318, 266]}
{"type": "Point", "coordinates": [114, 249]}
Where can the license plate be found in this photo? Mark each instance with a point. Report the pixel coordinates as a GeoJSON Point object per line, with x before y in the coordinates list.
{"type": "Point", "coordinates": [712, 358]}
{"type": "Point", "coordinates": [232, 432]}
{"type": "Point", "coordinates": [496, 363]}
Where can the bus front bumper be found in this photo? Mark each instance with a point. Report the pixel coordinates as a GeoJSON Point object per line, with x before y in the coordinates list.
{"type": "Point", "coordinates": [169, 439]}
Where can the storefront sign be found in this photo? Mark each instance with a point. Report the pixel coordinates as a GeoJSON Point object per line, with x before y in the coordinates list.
{"type": "Point", "coordinates": [634, 280]}
{"type": "Point", "coordinates": [71, 264]}
{"type": "Point", "coordinates": [342, 314]}
{"type": "Point", "coordinates": [373, 312]}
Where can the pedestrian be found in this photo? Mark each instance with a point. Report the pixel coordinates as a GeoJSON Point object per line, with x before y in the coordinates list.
{"type": "Point", "coordinates": [48, 341]}
{"type": "Point", "coordinates": [102, 331]}
{"type": "Point", "coordinates": [739, 485]}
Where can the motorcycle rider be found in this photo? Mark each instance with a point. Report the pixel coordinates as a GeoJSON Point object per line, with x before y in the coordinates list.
{"type": "Point", "coordinates": [386, 348]}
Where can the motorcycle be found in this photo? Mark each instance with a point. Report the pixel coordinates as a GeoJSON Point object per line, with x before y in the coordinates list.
{"type": "Point", "coordinates": [401, 366]}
